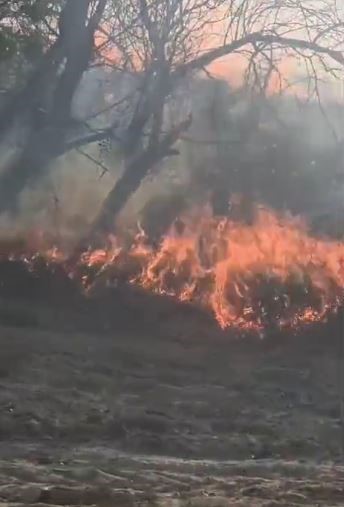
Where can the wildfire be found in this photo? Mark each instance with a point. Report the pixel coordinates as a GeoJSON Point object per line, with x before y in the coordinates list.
{"type": "Point", "coordinates": [271, 272]}
{"type": "Point", "coordinates": [249, 276]}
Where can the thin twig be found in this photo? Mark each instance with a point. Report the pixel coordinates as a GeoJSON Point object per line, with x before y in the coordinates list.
{"type": "Point", "coordinates": [94, 161]}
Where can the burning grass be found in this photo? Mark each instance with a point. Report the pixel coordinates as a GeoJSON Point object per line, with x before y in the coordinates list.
{"type": "Point", "coordinates": [269, 273]}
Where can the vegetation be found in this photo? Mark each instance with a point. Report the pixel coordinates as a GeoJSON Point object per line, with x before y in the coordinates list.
{"type": "Point", "coordinates": [160, 45]}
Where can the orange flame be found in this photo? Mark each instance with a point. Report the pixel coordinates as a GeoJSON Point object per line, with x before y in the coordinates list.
{"type": "Point", "coordinates": [216, 262]}
{"type": "Point", "coordinates": [250, 276]}
{"type": "Point", "coordinates": [244, 274]}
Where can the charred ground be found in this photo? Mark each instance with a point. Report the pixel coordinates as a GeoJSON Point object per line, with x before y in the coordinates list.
{"type": "Point", "coordinates": [96, 392]}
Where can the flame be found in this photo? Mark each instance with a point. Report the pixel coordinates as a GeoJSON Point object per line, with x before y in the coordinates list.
{"type": "Point", "coordinates": [248, 274]}
{"type": "Point", "coordinates": [271, 272]}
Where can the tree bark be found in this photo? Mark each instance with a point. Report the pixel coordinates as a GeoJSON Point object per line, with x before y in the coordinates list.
{"type": "Point", "coordinates": [126, 186]}
{"type": "Point", "coordinates": [41, 148]}
{"type": "Point", "coordinates": [47, 101]}
{"type": "Point", "coordinates": [28, 100]}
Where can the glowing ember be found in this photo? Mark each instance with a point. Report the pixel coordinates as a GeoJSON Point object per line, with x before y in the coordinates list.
{"type": "Point", "coordinates": [269, 273]}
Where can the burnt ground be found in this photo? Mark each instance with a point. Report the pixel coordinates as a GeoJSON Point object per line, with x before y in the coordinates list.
{"type": "Point", "coordinates": [126, 399]}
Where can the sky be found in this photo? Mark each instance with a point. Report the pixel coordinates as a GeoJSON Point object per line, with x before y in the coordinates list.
{"type": "Point", "coordinates": [232, 68]}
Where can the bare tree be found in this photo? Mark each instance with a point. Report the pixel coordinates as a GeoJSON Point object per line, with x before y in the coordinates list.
{"type": "Point", "coordinates": [166, 40]}
{"type": "Point", "coordinates": [162, 43]}
{"type": "Point", "coordinates": [43, 106]}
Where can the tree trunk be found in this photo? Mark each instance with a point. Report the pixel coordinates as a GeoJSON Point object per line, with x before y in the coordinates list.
{"type": "Point", "coordinates": [41, 148]}
{"type": "Point", "coordinates": [78, 41]}
{"type": "Point", "coordinates": [124, 188]}
{"type": "Point", "coordinates": [47, 100]}
{"type": "Point", "coordinates": [134, 173]}
{"type": "Point", "coordinates": [29, 100]}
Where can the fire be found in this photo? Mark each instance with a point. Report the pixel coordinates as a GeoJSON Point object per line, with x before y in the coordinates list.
{"type": "Point", "coordinates": [271, 272]}
{"type": "Point", "coordinates": [248, 274]}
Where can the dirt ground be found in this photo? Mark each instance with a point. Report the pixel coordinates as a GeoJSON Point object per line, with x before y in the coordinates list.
{"type": "Point", "coordinates": [104, 403]}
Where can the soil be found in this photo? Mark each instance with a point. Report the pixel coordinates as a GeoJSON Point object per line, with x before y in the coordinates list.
{"type": "Point", "coordinates": [125, 399]}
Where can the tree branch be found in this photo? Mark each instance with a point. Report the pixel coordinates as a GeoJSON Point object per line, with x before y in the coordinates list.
{"type": "Point", "coordinates": [254, 38]}
{"type": "Point", "coordinates": [93, 137]}
{"type": "Point", "coordinates": [94, 161]}
{"type": "Point", "coordinates": [128, 183]}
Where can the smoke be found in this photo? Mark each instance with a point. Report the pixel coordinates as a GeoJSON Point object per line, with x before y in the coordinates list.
{"type": "Point", "coordinates": [280, 151]}
{"type": "Point", "coordinates": [63, 204]}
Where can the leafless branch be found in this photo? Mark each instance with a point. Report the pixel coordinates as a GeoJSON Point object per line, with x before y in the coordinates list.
{"type": "Point", "coordinates": [94, 161]}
